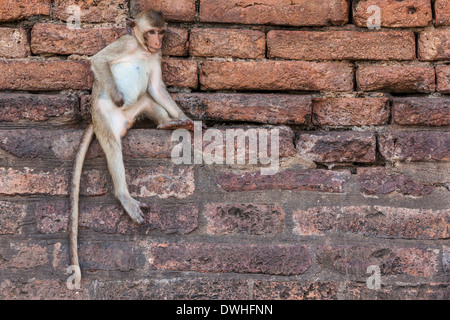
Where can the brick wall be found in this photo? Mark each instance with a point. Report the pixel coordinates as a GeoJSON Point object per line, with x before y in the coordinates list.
{"type": "Point", "coordinates": [364, 119]}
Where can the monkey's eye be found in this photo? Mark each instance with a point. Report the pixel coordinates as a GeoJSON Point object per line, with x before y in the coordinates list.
{"type": "Point", "coordinates": [162, 32]}
{"type": "Point", "coordinates": [152, 32]}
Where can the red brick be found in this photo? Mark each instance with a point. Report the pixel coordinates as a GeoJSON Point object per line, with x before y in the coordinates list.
{"type": "Point", "coordinates": [23, 255]}
{"type": "Point", "coordinates": [115, 11]}
{"type": "Point", "coordinates": [183, 10]}
{"type": "Point", "coordinates": [400, 291]}
{"type": "Point", "coordinates": [338, 146]}
{"type": "Point", "coordinates": [226, 258]}
{"type": "Point", "coordinates": [442, 10]}
{"type": "Point", "coordinates": [58, 39]}
{"type": "Point", "coordinates": [434, 44]}
{"type": "Point", "coordinates": [262, 108]}
{"type": "Point", "coordinates": [180, 73]}
{"type": "Point", "coordinates": [114, 255]}
{"type": "Point", "coordinates": [38, 75]}
{"type": "Point", "coordinates": [402, 79]}
{"type": "Point", "coordinates": [53, 217]}
{"type": "Point", "coordinates": [14, 43]}
{"type": "Point", "coordinates": [12, 217]}
{"type": "Point", "coordinates": [161, 181]}
{"type": "Point", "coordinates": [169, 218]}
{"type": "Point", "coordinates": [443, 79]}
{"type": "Point", "coordinates": [37, 289]}
{"type": "Point", "coordinates": [176, 42]}
{"type": "Point", "coordinates": [376, 181]}
{"type": "Point", "coordinates": [275, 12]}
{"type": "Point", "coordinates": [380, 222]}
{"type": "Point", "coordinates": [341, 45]}
{"type": "Point", "coordinates": [251, 219]}
{"type": "Point", "coordinates": [11, 10]}
{"type": "Point", "coordinates": [236, 43]}
{"type": "Point", "coordinates": [446, 259]}
{"type": "Point", "coordinates": [415, 146]}
{"type": "Point", "coordinates": [169, 289]}
{"type": "Point", "coordinates": [19, 107]}
{"type": "Point", "coordinates": [277, 75]}
{"type": "Point", "coordinates": [352, 261]}
{"type": "Point", "coordinates": [312, 180]}
{"type": "Point", "coordinates": [30, 181]}
{"type": "Point", "coordinates": [350, 111]}
{"type": "Point", "coordinates": [421, 111]}
{"type": "Point", "coordinates": [405, 13]}
{"type": "Point", "coordinates": [294, 290]}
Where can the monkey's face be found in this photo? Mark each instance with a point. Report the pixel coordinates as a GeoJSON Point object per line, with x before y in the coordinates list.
{"type": "Point", "coordinates": [153, 39]}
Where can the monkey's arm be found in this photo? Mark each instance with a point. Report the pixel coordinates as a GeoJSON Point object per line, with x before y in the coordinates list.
{"type": "Point", "coordinates": [157, 89]}
{"type": "Point", "coordinates": [101, 66]}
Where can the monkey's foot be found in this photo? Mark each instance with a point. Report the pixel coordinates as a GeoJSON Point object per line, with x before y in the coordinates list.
{"type": "Point", "coordinates": [133, 208]}
{"type": "Point", "coordinates": [177, 124]}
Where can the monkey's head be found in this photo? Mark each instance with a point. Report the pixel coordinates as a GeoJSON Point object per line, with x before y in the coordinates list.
{"type": "Point", "coordinates": [149, 28]}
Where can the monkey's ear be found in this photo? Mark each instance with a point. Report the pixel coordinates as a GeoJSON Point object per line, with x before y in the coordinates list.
{"type": "Point", "coordinates": [130, 24]}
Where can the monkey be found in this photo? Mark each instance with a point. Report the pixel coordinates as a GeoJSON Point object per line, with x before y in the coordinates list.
{"type": "Point", "coordinates": [128, 84]}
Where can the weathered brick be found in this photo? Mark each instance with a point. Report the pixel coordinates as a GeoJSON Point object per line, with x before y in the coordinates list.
{"type": "Point", "coordinates": [401, 291]}
{"type": "Point", "coordinates": [415, 146]}
{"type": "Point", "coordinates": [380, 222]}
{"type": "Point", "coordinates": [226, 258]}
{"type": "Point", "coordinates": [180, 73]}
{"type": "Point", "coordinates": [38, 75]}
{"type": "Point", "coordinates": [36, 289]}
{"type": "Point", "coordinates": [424, 172]}
{"type": "Point", "coordinates": [23, 255]}
{"type": "Point", "coordinates": [341, 45]}
{"type": "Point", "coordinates": [252, 219]}
{"type": "Point", "coordinates": [312, 180]}
{"type": "Point", "coordinates": [14, 43]}
{"type": "Point", "coordinates": [31, 181]}
{"type": "Point", "coordinates": [350, 111]}
{"type": "Point", "coordinates": [338, 146]}
{"type": "Point", "coordinates": [169, 289]}
{"type": "Point", "coordinates": [293, 290]}
{"type": "Point", "coordinates": [434, 44]}
{"type": "Point", "coordinates": [53, 217]}
{"type": "Point", "coordinates": [58, 39]}
{"type": "Point", "coordinates": [115, 11]}
{"type": "Point", "coordinates": [395, 78]}
{"type": "Point", "coordinates": [277, 75]}
{"type": "Point", "coordinates": [117, 255]}
{"type": "Point", "coordinates": [405, 13]}
{"type": "Point", "coordinates": [446, 259]}
{"type": "Point", "coordinates": [421, 111]}
{"type": "Point", "coordinates": [12, 217]}
{"type": "Point", "coordinates": [18, 107]}
{"type": "Point", "coordinates": [353, 260]}
{"type": "Point", "coordinates": [11, 10]}
{"type": "Point", "coordinates": [443, 79]}
{"type": "Point", "coordinates": [262, 108]}
{"type": "Point", "coordinates": [236, 43]}
{"type": "Point", "coordinates": [275, 12]}
{"type": "Point", "coordinates": [176, 42]}
{"type": "Point", "coordinates": [183, 10]}
{"type": "Point", "coordinates": [161, 181]}
{"type": "Point", "coordinates": [376, 181]}
{"type": "Point", "coordinates": [442, 10]}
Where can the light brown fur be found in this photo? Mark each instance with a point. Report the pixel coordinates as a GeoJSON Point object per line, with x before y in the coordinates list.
{"type": "Point", "coordinates": [128, 83]}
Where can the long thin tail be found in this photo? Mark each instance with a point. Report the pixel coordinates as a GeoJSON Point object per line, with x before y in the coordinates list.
{"type": "Point", "coordinates": [75, 191]}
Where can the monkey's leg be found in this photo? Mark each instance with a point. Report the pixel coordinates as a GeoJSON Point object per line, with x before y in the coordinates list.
{"type": "Point", "coordinates": [110, 141]}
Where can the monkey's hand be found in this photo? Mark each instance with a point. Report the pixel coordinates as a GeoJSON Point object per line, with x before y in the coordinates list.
{"type": "Point", "coordinates": [117, 98]}
{"type": "Point", "coordinates": [187, 124]}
